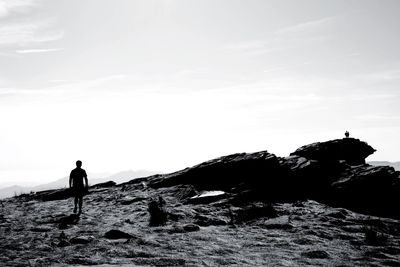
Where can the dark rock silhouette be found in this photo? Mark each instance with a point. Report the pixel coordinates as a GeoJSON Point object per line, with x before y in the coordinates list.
{"type": "Point", "coordinates": [56, 194]}
{"type": "Point", "coordinates": [157, 211]}
{"type": "Point", "coordinates": [104, 185]}
{"type": "Point", "coordinates": [81, 240]}
{"type": "Point", "coordinates": [225, 172]}
{"type": "Point", "coordinates": [191, 227]}
{"type": "Point", "coordinates": [368, 189]}
{"type": "Point", "coordinates": [333, 172]}
{"type": "Point", "coordinates": [64, 222]}
{"type": "Point", "coordinates": [117, 234]}
{"type": "Point", "coordinates": [352, 150]}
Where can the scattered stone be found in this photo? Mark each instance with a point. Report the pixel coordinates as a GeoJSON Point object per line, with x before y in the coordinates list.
{"type": "Point", "coordinates": [282, 222]}
{"type": "Point", "coordinates": [158, 213]}
{"type": "Point", "coordinates": [81, 239]}
{"type": "Point", "coordinates": [68, 220]}
{"type": "Point", "coordinates": [191, 227]}
{"type": "Point", "coordinates": [63, 243]}
{"type": "Point", "coordinates": [117, 234]}
{"type": "Point", "coordinates": [316, 254]}
{"type": "Point", "coordinates": [41, 229]}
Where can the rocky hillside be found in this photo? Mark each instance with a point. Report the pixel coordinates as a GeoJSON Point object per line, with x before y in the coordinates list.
{"type": "Point", "coordinates": [321, 206]}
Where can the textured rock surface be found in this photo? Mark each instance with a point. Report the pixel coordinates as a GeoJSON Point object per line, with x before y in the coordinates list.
{"type": "Point", "coordinates": [370, 189]}
{"type": "Point", "coordinates": [225, 172]}
{"type": "Point", "coordinates": [303, 234]}
{"type": "Point", "coordinates": [352, 150]}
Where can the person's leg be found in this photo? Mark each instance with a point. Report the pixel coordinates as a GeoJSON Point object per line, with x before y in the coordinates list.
{"type": "Point", "coordinates": [75, 203]}
{"type": "Point", "coordinates": [80, 204]}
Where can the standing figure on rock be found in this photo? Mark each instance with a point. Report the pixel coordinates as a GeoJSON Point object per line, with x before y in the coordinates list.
{"type": "Point", "coordinates": [77, 186]}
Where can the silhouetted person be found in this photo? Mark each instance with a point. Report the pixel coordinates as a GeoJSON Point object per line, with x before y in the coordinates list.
{"type": "Point", "coordinates": [347, 134]}
{"type": "Point", "coordinates": [77, 186]}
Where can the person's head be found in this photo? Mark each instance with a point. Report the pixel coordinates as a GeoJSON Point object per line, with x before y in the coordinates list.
{"type": "Point", "coordinates": [79, 164]}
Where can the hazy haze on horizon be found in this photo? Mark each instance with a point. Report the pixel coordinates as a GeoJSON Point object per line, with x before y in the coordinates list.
{"type": "Point", "coordinates": [162, 85]}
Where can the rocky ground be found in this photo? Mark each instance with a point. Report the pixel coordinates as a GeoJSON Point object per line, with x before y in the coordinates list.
{"type": "Point", "coordinates": [259, 213]}
{"type": "Point", "coordinates": [300, 234]}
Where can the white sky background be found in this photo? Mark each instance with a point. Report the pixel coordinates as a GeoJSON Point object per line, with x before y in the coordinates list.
{"type": "Point", "coordinates": [162, 85]}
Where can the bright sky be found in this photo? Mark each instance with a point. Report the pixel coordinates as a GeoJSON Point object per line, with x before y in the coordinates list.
{"type": "Point", "coordinates": [162, 85]}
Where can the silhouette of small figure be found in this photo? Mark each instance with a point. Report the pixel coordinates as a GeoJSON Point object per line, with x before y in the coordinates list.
{"type": "Point", "coordinates": [347, 134]}
{"type": "Point", "coordinates": [77, 185]}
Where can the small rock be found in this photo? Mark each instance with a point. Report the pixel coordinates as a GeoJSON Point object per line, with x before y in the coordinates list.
{"type": "Point", "coordinates": [68, 220]}
{"type": "Point", "coordinates": [117, 234]}
{"type": "Point", "coordinates": [81, 239]}
{"type": "Point", "coordinates": [316, 254]}
{"type": "Point", "coordinates": [278, 223]}
{"type": "Point", "coordinates": [41, 229]}
{"type": "Point", "coordinates": [158, 213]}
{"type": "Point", "coordinates": [63, 243]}
{"type": "Point", "coordinates": [191, 227]}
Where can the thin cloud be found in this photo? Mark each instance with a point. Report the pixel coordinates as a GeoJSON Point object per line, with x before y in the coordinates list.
{"type": "Point", "coordinates": [306, 26]}
{"type": "Point", "coordinates": [383, 76]}
{"type": "Point", "coordinates": [34, 51]}
{"type": "Point", "coordinates": [28, 33]}
{"type": "Point", "coordinates": [64, 88]}
{"type": "Point", "coordinates": [9, 6]}
{"type": "Point", "coordinates": [283, 38]}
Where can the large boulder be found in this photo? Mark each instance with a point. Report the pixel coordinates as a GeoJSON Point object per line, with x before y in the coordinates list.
{"type": "Point", "coordinates": [54, 194]}
{"type": "Point", "coordinates": [368, 189]}
{"type": "Point", "coordinates": [225, 172]}
{"type": "Point", "coordinates": [308, 178]}
{"type": "Point", "coordinates": [352, 150]}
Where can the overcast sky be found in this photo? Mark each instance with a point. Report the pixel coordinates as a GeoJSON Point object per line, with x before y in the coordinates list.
{"type": "Point", "coordinates": [162, 85]}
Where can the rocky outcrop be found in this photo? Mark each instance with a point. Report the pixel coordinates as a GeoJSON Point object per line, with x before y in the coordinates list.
{"type": "Point", "coordinates": [351, 150]}
{"type": "Point", "coordinates": [117, 234]}
{"type": "Point", "coordinates": [368, 189]}
{"type": "Point", "coordinates": [225, 172]}
{"type": "Point", "coordinates": [333, 172]}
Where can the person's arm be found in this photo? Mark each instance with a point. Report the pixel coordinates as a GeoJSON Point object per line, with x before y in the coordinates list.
{"type": "Point", "coordinates": [70, 180]}
{"type": "Point", "coordinates": [86, 180]}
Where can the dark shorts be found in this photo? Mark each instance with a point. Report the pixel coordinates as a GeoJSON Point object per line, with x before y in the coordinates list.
{"type": "Point", "coordinates": [78, 191]}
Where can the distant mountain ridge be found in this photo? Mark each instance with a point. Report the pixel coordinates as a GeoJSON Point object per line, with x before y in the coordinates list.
{"type": "Point", "coordinates": [119, 177]}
